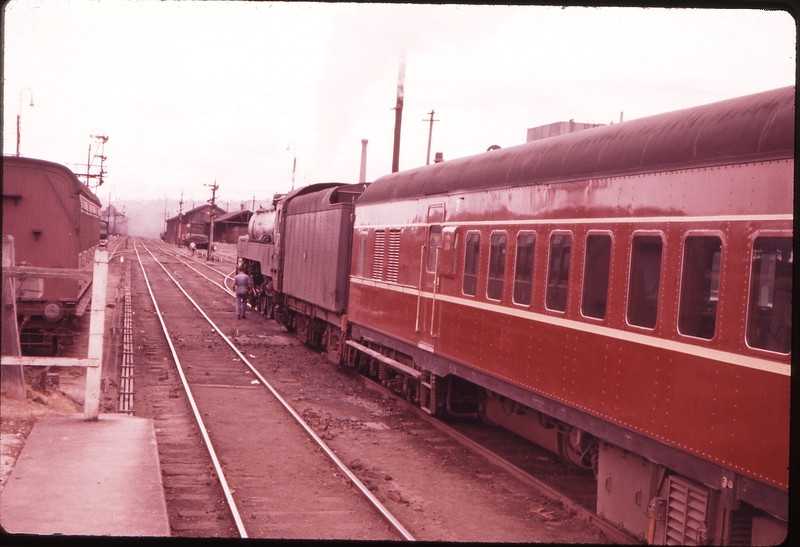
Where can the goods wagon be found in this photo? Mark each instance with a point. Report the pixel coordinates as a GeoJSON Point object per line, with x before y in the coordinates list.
{"type": "Point", "coordinates": [55, 222]}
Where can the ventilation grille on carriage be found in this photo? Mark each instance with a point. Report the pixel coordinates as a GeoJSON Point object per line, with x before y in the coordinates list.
{"type": "Point", "coordinates": [377, 259]}
{"type": "Point", "coordinates": [394, 256]}
{"type": "Point", "coordinates": [687, 509]}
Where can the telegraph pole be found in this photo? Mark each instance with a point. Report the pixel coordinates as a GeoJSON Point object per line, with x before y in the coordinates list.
{"type": "Point", "coordinates": [430, 134]}
{"type": "Point", "coordinates": [214, 187]}
{"type": "Point", "coordinates": [180, 220]}
{"type": "Point", "coordinates": [101, 146]}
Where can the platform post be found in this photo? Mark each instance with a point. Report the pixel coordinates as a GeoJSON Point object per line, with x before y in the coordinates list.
{"type": "Point", "coordinates": [12, 381]}
{"type": "Point", "coordinates": [97, 323]}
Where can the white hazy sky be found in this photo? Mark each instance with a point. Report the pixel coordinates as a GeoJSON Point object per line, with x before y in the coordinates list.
{"type": "Point", "coordinates": [193, 92]}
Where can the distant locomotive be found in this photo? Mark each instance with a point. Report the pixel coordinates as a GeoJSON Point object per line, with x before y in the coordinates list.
{"type": "Point", "coordinates": [621, 296]}
{"type": "Point", "coordinates": [55, 222]}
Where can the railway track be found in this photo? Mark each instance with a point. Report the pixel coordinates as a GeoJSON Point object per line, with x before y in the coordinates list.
{"type": "Point", "coordinates": [232, 408]}
{"type": "Point", "coordinates": [503, 444]}
{"type": "Point", "coordinates": [437, 487]}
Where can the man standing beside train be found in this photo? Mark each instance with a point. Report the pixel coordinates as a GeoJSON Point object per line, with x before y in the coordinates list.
{"type": "Point", "coordinates": [241, 286]}
{"type": "Point", "coordinates": [269, 305]}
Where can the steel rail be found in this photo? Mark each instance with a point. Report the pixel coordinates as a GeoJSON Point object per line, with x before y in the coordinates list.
{"type": "Point", "coordinates": [116, 251]}
{"type": "Point", "coordinates": [181, 257]}
{"type": "Point", "coordinates": [607, 527]}
{"type": "Point", "coordinates": [226, 277]}
{"type": "Point", "coordinates": [325, 448]}
{"type": "Point", "coordinates": [209, 446]}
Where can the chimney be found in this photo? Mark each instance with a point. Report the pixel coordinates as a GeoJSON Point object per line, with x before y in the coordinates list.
{"type": "Point", "coordinates": [362, 177]}
{"type": "Point", "coordinates": [439, 157]}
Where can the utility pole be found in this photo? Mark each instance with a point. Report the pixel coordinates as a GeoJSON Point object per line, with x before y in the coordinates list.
{"type": "Point", "coordinates": [180, 220]}
{"type": "Point", "coordinates": [101, 145]}
{"type": "Point", "coordinates": [398, 114]}
{"type": "Point", "coordinates": [430, 134]}
{"type": "Point", "coordinates": [293, 144]}
{"type": "Point", "coordinates": [214, 187]}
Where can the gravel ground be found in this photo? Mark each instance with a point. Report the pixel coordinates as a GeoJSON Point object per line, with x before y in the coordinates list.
{"type": "Point", "coordinates": [437, 488]}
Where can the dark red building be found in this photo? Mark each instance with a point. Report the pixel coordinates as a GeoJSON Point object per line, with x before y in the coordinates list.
{"type": "Point", "coordinates": [194, 221]}
{"type": "Point", "coordinates": [228, 227]}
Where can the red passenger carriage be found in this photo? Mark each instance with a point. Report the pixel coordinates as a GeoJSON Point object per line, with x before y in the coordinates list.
{"type": "Point", "coordinates": [620, 295]}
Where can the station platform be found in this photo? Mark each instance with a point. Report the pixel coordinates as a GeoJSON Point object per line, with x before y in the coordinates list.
{"type": "Point", "coordinates": [83, 478]}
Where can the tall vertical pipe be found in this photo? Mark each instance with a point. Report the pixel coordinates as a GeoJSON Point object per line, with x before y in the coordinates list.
{"type": "Point", "coordinates": [362, 177]}
{"type": "Point", "coordinates": [398, 115]}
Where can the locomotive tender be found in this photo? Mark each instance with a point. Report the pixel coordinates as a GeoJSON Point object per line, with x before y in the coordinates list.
{"type": "Point", "coordinates": [621, 296]}
{"type": "Point", "coordinates": [55, 222]}
{"type": "Point", "coordinates": [302, 243]}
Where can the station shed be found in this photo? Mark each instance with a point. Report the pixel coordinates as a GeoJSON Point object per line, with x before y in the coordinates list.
{"type": "Point", "coordinates": [194, 221]}
{"type": "Point", "coordinates": [228, 227]}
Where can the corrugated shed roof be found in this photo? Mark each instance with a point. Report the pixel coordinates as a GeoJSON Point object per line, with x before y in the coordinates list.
{"type": "Point", "coordinates": [219, 211]}
{"type": "Point", "coordinates": [233, 216]}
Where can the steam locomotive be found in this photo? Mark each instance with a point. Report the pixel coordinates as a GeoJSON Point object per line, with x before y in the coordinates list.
{"type": "Point", "coordinates": [620, 295]}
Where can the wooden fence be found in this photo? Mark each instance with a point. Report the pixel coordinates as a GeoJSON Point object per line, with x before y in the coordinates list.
{"type": "Point", "coordinates": [13, 383]}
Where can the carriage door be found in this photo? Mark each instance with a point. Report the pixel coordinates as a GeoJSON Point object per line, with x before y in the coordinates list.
{"type": "Point", "coordinates": [428, 278]}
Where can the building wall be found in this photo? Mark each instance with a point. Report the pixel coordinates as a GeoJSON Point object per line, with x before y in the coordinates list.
{"type": "Point", "coordinates": [558, 128]}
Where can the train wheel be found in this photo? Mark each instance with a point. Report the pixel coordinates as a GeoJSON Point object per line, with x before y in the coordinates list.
{"type": "Point", "coordinates": [482, 396]}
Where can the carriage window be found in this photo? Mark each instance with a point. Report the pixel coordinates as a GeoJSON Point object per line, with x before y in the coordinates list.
{"type": "Point", "coordinates": [595, 276]}
{"type": "Point", "coordinates": [644, 281]}
{"type": "Point", "coordinates": [497, 267]}
{"type": "Point", "coordinates": [558, 272]}
{"type": "Point", "coordinates": [769, 317]}
{"type": "Point", "coordinates": [455, 252]}
{"type": "Point", "coordinates": [471, 252]}
{"type": "Point", "coordinates": [378, 253]}
{"type": "Point", "coordinates": [523, 275]}
{"type": "Point", "coordinates": [434, 241]}
{"type": "Point", "coordinates": [362, 252]}
{"type": "Point", "coordinates": [700, 286]}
